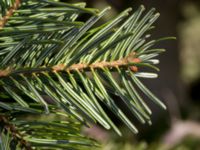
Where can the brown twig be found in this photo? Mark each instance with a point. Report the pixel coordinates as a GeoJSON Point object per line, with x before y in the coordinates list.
{"type": "Point", "coordinates": [97, 65]}
{"type": "Point", "coordinates": [128, 61]}
{"type": "Point", "coordinates": [9, 13]}
{"type": "Point", "coordinates": [14, 132]}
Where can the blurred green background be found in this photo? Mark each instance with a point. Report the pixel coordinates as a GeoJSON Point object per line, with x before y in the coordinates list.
{"type": "Point", "coordinates": [178, 84]}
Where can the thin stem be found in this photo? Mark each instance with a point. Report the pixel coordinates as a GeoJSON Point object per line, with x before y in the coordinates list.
{"type": "Point", "coordinates": [129, 61]}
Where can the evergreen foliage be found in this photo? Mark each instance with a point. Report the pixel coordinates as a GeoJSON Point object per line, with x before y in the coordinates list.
{"type": "Point", "coordinates": [52, 63]}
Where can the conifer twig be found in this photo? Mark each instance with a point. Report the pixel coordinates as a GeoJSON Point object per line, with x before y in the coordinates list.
{"type": "Point", "coordinates": [15, 133]}
{"type": "Point", "coordinates": [129, 61]}
{"type": "Point", "coordinates": [9, 13]}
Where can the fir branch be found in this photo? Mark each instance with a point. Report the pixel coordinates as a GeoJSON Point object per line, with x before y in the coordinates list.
{"type": "Point", "coordinates": [9, 13]}
{"type": "Point", "coordinates": [33, 64]}
{"type": "Point", "coordinates": [129, 61]}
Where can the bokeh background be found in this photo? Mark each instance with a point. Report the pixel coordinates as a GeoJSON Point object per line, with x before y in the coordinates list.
{"type": "Point", "coordinates": [178, 84]}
